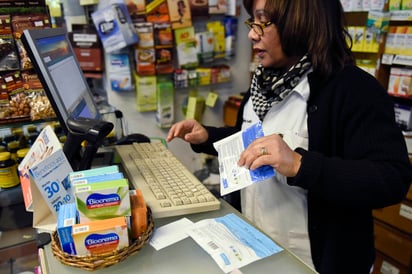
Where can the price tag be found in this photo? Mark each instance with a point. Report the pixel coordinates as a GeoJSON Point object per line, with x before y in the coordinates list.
{"type": "Point", "coordinates": [406, 211]}
{"type": "Point", "coordinates": [387, 59]}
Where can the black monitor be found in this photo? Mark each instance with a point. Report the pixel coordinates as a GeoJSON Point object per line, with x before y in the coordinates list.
{"type": "Point", "coordinates": [63, 80]}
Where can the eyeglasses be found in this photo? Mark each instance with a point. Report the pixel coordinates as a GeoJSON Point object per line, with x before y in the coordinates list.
{"type": "Point", "coordinates": [257, 27]}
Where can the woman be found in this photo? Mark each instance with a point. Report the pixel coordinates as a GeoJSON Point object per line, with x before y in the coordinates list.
{"type": "Point", "coordinates": [330, 134]}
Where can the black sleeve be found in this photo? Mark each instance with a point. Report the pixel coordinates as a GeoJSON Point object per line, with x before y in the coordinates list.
{"type": "Point", "coordinates": [218, 133]}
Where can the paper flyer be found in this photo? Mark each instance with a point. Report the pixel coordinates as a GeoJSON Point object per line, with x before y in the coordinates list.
{"type": "Point", "coordinates": [232, 242]}
{"type": "Point", "coordinates": [50, 189]}
{"type": "Point", "coordinates": [46, 144]}
{"type": "Point", "coordinates": [51, 178]}
{"type": "Point", "coordinates": [232, 176]}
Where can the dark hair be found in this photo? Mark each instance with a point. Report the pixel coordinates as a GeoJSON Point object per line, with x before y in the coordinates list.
{"type": "Point", "coordinates": [316, 27]}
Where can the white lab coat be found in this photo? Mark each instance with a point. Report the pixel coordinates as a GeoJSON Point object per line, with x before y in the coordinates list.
{"type": "Point", "coordinates": [278, 209]}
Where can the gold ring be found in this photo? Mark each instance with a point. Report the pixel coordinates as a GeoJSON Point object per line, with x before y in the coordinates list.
{"type": "Point", "coordinates": [264, 151]}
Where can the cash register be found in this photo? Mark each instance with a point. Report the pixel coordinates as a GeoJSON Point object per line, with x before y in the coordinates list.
{"type": "Point", "coordinates": [69, 93]}
{"type": "Point", "coordinates": [168, 187]}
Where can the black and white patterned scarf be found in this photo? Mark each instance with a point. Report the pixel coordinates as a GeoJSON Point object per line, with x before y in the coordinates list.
{"type": "Point", "coordinates": [269, 86]}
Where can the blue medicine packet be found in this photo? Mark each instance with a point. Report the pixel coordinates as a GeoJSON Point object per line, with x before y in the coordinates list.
{"type": "Point", "coordinates": [249, 135]}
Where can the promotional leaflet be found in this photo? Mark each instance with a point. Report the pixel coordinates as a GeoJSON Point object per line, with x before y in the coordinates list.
{"type": "Point", "coordinates": [232, 242]}
{"type": "Point", "coordinates": [232, 176]}
{"type": "Point", "coordinates": [43, 174]}
{"type": "Point", "coordinates": [229, 240]}
{"type": "Point", "coordinates": [45, 144]}
{"type": "Point", "coordinates": [50, 189]}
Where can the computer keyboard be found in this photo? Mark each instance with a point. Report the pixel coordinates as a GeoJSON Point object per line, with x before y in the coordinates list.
{"type": "Point", "coordinates": [168, 187]}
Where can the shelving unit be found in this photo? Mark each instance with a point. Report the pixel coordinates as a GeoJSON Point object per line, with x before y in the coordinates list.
{"type": "Point", "coordinates": [393, 237]}
{"type": "Point", "coordinates": [393, 225]}
{"type": "Point", "coordinates": [384, 60]}
{"type": "Point", "coordinates": [16, 244]}
{"type": "Point", "coordinates": [401, 59]}
{"type": "Point", "coordinates": [16, 17]}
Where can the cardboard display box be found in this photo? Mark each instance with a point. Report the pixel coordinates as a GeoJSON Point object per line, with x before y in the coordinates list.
{"type": "Point", "coordinates": [398, 216]}
{"type": "Point", "coordinates": [385, 265]}
{"type": "Point", "coordinates": [393, 243]}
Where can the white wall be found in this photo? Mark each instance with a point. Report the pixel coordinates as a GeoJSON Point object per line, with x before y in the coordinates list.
{"type": "Point", "coordinates": [145, 122]}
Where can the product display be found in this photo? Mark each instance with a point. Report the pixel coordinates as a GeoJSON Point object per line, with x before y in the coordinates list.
{"type": "Point", "coordinates": [95, 262]}
{"type": "Point", "coordinates": [105, 225]}
{"type": "Point", "coordinates": [8, 171]}
{"type": "Point", "coordinates": [21, 95]}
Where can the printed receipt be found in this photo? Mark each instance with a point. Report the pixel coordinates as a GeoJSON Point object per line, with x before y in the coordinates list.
{"type": "Point", "coordinates": [171, 233]}
{"type": "Point", "coordinates": [231, 241]}
{"type": "Point", "coordinates": [232, 176]}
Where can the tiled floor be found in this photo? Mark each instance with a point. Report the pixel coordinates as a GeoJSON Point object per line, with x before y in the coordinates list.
{"type": "Point", "coordinates": [18, 251]}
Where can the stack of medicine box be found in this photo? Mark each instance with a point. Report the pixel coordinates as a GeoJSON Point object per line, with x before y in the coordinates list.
{"type": "Point", "coordinates": [96, 222]}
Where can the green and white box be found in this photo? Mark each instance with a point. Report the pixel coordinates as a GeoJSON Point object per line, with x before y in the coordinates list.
{"type": "Point", "coordinates": [102, 200]}
{"type": "Point", "coordinates": [165, 104]}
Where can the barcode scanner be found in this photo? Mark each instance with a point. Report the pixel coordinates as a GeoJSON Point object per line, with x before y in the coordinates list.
{"type": "Point", "coordinates": [84, 129]}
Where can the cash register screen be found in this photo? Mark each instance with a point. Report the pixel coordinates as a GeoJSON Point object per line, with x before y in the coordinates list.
{"type": "Point", "coordinates": [56, 64]}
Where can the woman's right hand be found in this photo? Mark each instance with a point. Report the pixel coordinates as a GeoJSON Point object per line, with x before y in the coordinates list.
{"type": "Point", "coordinates": [189, 130]}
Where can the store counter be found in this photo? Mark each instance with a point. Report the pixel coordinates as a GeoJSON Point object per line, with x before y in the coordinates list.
{"type": "Point", "coordinates": [184, 257]}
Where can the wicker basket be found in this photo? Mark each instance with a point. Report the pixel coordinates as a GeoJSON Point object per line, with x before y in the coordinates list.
{"type": "Point", "coordinates": [94, 262]}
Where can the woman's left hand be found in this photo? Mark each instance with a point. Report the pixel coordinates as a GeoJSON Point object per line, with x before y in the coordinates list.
{"type": "Point", "coordinates": [271, 150]}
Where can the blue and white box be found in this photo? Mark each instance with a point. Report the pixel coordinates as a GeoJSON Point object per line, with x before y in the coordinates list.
{"type": "Point", "coordinates": [97, 179]}
{"type": "Point", "coordinates": [67, 217]}
{"type": "Point", "coordinates": [93, 172]}
{"type": "Point", "coordinates": [114, 26]}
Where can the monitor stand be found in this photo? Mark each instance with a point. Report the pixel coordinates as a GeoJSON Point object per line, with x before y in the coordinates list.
{"type": "Point", "coordinates": [104, 156]}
